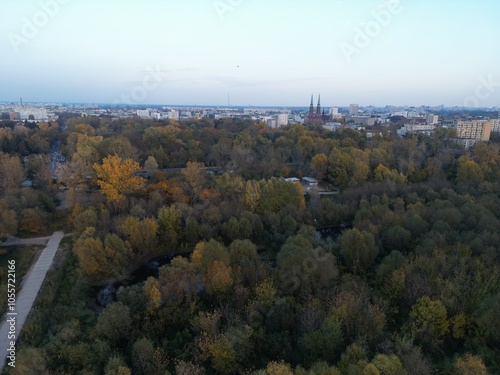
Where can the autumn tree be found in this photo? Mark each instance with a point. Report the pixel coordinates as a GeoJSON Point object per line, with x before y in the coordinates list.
{"type": "Point", "coordinates": [90, 253]}
{"type": "Point", "coordinates": [194, 174]}
{"type": "Point", "coordinates": [169, 225]}
{"type": "Point", "coordinates": [469, 364]}
{"type": "Point", "coordinates": [151, 289]}
{"type": "Point", "coordinates": [116, 177]}
{"type": "Point", "coordinates": [11, 172]}
{"type": "Point", "coordinates": [319, 164]}
{"type": "Point", "coordinates": [151, 166]}
{"type": "Point", "coordinates": [251, 197]}
{"type": "Point", "coordinates": [213, 260]}
{"type": "Point", "coordinates": [8, 219]}
{"type": "Point", "coordinates": [469, 172]}
{"type": "Point", "coordinates": [142, 235]}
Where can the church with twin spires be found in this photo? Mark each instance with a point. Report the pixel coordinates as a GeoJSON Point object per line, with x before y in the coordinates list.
{"type": "Point", "coordinates": [318, 117]}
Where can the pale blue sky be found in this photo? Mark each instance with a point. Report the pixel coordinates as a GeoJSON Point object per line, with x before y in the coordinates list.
{"type": "Point", "coordinates": [262, 52]}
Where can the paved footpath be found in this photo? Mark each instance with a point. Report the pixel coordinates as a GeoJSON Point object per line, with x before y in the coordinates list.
{"type": "Point", "coordinates": [26, 296]}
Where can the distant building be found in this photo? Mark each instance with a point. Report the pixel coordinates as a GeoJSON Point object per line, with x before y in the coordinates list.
{"type": "Point", "coordinates": [332, 126]}
{"type": "Point", "coordinates": [432, 119]}
{"type": "Point", "coordinates": [143, 113]}
{"type": "Point", "coordinates": [363, 120]}
{"type": "Point", "coordinates": [353, 109]}
{"type": "Point", "coordinates": [469, 132]}
{"type": "Point", "coordinates": [426, 129]}
{"type": "Point", "coordinates": [475, 129]}
{"type": "Point", "coordinates": [31, 113]}
{"type": "Point", "coordinates": [399, 113]}
{"type": "Point", "coordinates": [282, 120]}
{"type": "Point", "coordinates": [174, 115]}
{"type": "Point", "coordinates": [272, 123]}
{"type": "Point", "coordinates": [310, 181]}
{"type": "Point", "coordinates": [495, 126]}
{"type": "Point", "coordinates": [318, 117]}
{"type": "Point", "coordinates": [334, 111]}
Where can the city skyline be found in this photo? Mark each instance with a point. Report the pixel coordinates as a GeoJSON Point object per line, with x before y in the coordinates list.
{"type": "Point", "coordinates": [378, 53]}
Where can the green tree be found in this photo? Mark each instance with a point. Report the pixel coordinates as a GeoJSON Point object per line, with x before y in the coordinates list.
{"type": "Point", "coordinates": [388, 365]}
{"type": "Point", "coordinates": [114, 323]}
{"type": "Point", "coordinates": [169, 225]}
{"type": "Point", "coordinates": [151, 166]}
{"type": "Point", "coordinates": [146, 359]}
{"type": "Point", "coordinates": [323, 343]}
{"type": "Point", "coordinates": [358, 250]}
{"type": "Point", "coordinates": [429, 319]}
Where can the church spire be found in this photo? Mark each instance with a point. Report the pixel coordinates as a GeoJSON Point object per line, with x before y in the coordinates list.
{"type": "Point", "coordinates": [318, 109]}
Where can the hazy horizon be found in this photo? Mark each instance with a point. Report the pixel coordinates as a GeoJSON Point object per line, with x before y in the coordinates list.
{"type": "Point", "coordinates": [406, 53]}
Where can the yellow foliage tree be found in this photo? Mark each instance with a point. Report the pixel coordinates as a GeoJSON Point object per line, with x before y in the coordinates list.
{"type": "Point", "coordinates": [251, 198]}
{"type": "Point", "coordinates": [116, 177]}
{"type": "Point", "coordinates": [151, 289]}
{"type": "Point", "coordinates": [218, 278]}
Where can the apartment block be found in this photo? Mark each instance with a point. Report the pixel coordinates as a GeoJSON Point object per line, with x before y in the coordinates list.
{"type": "Point", "coordinates": [475, 129]}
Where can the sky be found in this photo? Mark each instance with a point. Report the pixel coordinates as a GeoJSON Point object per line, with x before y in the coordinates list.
{"type": "Point", "coordinates": [251, 52]}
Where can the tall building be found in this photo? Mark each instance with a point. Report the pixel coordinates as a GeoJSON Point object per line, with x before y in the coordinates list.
{"type": "Point", "coordinates": [174, 115]}
{"type": "Point", "coordinates": [469, 132]}
{"type": "Point", "coordinates": [353, 109]}
{"type": "Point", "coordinates": [318, 117]}
{"type": "Point", "coordinates": [282, 120]}
{"type": "Point", "coordinates": [432, 119]}
{"type": "Point", "coordinates": [495, 126]}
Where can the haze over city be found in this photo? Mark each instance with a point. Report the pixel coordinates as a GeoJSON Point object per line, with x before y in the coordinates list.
{"type": "Point", "coordinates": [259, 52]}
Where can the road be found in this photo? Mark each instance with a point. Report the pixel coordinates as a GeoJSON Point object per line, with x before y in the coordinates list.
{"type": "Point", "coordinates": [25, 297]}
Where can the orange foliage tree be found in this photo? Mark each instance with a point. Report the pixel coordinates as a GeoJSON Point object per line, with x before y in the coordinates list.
{"type": "Point", "coordinates": [116, 177]}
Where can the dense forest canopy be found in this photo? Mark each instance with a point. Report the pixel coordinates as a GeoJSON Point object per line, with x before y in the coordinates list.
{"type": "Point", "coordinates": [389, 266]}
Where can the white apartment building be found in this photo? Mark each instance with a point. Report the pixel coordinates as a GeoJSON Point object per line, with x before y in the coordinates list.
{"type": "Point", "coordinates": [36, 114]}
{"type": "Point", "coordinates": [282, 120]}
{"type": "Point", "coordinates": [143, 113]}
{"type": "Point", "coordinates": [432, 119]}
{"type": "Point", "coordinates": [416, 128]}
{"type": "Point", "coordinates": [353, 109]}
{"type": "Point", "coordinates": [174, 115]}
